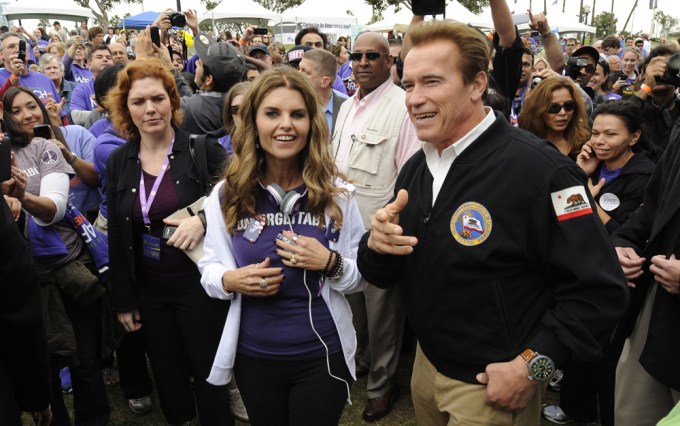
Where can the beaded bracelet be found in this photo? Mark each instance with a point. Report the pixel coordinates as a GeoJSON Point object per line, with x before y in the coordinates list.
{"type": "Point", "coordinates": [338, 267]}
{"type": "Point", "coordinates": [325, 270]}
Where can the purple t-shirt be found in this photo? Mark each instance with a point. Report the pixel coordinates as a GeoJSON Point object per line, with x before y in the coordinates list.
{"type": "Point", "coordinates": [40, 84]}
{"type": "Point", "coordinates": [174, 264]}
{"type": "Point", "coordinates": [278, 327]}
{"type": "Point", "coordinates": [81, 99]}
{"type": "Point", "coordinates": [339, 85]}
{"type": "Point", "coordinates": [80, 74]}
{"type": "Point", "coordinates": [609, 175]}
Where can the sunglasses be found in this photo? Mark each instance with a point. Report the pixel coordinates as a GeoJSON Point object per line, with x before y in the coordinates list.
{"type": "Point", "coordinates": [234, 109]}
{"type": "Point", "coordinates": [371, 56]}
{"type": "Point", "coordinates": [555, 108]}
{"type": "Point", "coordinates": [590, 68]}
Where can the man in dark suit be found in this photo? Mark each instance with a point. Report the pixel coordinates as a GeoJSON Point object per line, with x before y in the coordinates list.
{"type": "Point", "coordinates": [648, 246]}
{"type": "Point", "coordinates": [320, 67]}
{"type": "Point", "coordinates": [24, 368]}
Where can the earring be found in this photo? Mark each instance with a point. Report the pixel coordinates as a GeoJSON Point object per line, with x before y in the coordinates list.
{"type": "Point", "coordinates": [257, 143]}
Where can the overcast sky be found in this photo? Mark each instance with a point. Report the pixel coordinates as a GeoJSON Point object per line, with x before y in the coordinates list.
{"type": "Point", "coordinates": [640, 20]}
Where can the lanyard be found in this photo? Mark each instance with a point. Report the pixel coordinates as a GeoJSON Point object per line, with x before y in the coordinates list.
{"type": "Point", "coordinates": [146, 203]}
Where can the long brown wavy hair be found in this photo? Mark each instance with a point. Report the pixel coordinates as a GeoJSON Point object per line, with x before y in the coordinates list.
{"type": "Point", "coordinates": [537, 103]}
{"type": "Point", "coordinates": [249, 165]}
{"type": "Point", "coordinates": [116, 99]}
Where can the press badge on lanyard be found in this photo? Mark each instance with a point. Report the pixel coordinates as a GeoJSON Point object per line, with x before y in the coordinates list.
{"type": "Point", "coordinates": [151, 246]}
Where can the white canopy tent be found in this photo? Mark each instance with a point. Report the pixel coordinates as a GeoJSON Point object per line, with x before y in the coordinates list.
{"type": "Point", "coordinates": [398, 21]}
{"type": "Point", "coordinates": [240, 11]}
{"type": "Point", "coordinates": [60, 9]}
{"type": "Point", "coordinates": [348, 12]}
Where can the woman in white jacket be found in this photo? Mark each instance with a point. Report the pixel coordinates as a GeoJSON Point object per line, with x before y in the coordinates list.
{"type": "Point", "coordinates": [283, 231]}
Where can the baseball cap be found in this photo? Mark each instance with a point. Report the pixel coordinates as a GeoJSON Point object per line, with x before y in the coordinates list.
{"type": "Point", "coordinates": [295, 54]}
{"type": "Point", "coordinates": [224, 61]}
{"type": "Point", "coordinates": [260, 47]}
{"type": "Point", "coordinates": [588, 51]}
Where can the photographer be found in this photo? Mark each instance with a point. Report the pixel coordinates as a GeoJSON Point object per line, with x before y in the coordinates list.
{"type": "Point", "coordinates": [656, 97]}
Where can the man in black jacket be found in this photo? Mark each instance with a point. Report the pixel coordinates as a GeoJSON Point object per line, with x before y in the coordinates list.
{"type": "Point", "coordinates": [647, 376]}
{"type": "Point", "coordinates": [504, 269]}
{"type": "Point", "coordinates": [24, 368]}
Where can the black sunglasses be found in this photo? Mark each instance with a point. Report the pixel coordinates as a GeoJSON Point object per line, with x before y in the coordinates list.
{"type": "Point", "coordinates": [555, 108]}
{"type": "Point", "coordinates": [590, 68]}
{"type": "Point", "coordinates": [371, 56]}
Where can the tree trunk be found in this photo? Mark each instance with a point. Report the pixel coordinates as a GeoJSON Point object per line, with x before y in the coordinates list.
{"type": "Point", "coordinates": [629, 15]}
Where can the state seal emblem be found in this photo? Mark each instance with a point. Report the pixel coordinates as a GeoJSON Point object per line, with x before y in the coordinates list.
{"type": "Point", "coordinates": [471, 224]}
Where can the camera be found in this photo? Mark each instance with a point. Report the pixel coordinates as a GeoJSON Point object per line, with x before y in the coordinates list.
{"type": "Point", "coordinates": [672, 74]}
{"type": "Point", "coordinates": [535, 81]}
{"type": "Point", "coordinates": [575, 65]}
{"type": "Point", "coordinates": [177, 19]}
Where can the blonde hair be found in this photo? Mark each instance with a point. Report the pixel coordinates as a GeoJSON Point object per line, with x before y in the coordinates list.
{"type": "Point", "coordinates": [249, 164]}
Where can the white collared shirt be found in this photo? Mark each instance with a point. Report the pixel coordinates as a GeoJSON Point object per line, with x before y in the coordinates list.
{"type": "Point", "coordinates": [439, 165]}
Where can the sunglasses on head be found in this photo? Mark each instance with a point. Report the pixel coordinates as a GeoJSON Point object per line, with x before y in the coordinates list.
{"type": "Point", "coordinates": [371, 56]}
{"type": "Point", "coordinates": [555, 108]}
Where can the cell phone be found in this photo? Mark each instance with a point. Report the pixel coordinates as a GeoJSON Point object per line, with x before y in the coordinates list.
{"type": "Point", "coordinates": [42, 131]}
{"type": "Point", "coordinates": [623, 77]}
{"type": "Point", "coordinates": [260, 31]}
{"type": "Point", "coordinates": [22, 50]}
{"type": "Point", "coordinates": [168, 231]}
{"type": "Point", "coordinates": [5, 159]}
{"type": "Point", "coordinates": [520, 18]}
{"type": "Point", "coordinates": [156, 36]}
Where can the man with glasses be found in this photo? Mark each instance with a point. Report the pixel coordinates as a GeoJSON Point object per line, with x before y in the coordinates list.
{"type": "Point", "coordinates": [372, 139]}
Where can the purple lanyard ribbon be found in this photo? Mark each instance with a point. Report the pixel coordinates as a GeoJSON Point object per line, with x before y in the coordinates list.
{"type": "Point", "coordinates": [146, 203]}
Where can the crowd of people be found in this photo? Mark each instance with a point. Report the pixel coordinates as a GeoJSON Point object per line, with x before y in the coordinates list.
{"type": "Point", "coordinates": [262, 226]}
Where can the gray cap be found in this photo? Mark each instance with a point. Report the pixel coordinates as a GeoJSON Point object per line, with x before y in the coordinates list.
{"type": "Point", "coordinates": [225, 63]}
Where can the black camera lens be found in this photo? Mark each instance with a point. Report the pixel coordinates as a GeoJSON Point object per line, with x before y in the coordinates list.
{"type": "Point", "coordinates": [672, 74]}
{"type": "Point", "coordinates": [178, 19]}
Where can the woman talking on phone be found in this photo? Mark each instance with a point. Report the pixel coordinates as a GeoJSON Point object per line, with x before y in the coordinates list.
{"type": "Point", "coordinates": [283, 232]}
{"type": "Point", "coordinates": [156, 287]}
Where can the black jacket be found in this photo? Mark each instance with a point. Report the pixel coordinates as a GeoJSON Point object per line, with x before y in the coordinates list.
{"type": "Point", "coordinates": [654, 229]}
{"type": "Point", "coordinates": [657, 124]}
{"type": "Point", "coordinates": [122, 177]}
{"type": "Point", "coordinates": [629, 188]}
{"type": "Point", "coordinates": [535, 282]}
{"type": "Point", "coordinates": [24, 367]}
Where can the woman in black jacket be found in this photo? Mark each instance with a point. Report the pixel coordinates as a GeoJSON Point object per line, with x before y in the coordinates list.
{"type": "Point", "coordinates": [155, 286]}
{"type": "Point", "coordinates": [617, 175]}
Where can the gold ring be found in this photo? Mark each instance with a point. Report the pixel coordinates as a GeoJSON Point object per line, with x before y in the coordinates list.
{"type": "Point", "coordinates": [293, 260]}
{"type": "Point", "coordinates": [264, 283]}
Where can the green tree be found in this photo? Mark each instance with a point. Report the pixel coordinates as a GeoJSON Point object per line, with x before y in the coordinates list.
{"type": "Point", "coordinates": [101, 8]}
{"type": "Point", "coordinates": [605, 24]}
{"type": "Point", "coordinates": [666, 22]}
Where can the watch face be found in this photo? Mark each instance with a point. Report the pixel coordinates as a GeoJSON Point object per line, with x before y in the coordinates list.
{"type": "Point", "coordinates": [542, 368]}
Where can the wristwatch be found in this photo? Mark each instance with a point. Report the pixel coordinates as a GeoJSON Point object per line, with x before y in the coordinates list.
{"type": "Point", "coordinates": [541, 367]}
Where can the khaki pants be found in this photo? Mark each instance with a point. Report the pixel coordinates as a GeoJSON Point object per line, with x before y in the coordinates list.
{"type": "Point", "coordinates": [640, 400]}
{"type": "Point", "coordinates": [441, 401]}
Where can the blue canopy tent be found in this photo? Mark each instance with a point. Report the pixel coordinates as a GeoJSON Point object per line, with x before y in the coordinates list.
{"type": "Point", "coordinates": [138, 22]}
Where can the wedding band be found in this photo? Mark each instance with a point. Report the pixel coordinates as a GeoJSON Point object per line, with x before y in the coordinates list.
{"type": "Point", "coordinates": [264, 283]}
{"type": "Point", "coordinates": [293, 260]}
{"type": "Point", "coordinates": [295, 237]}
